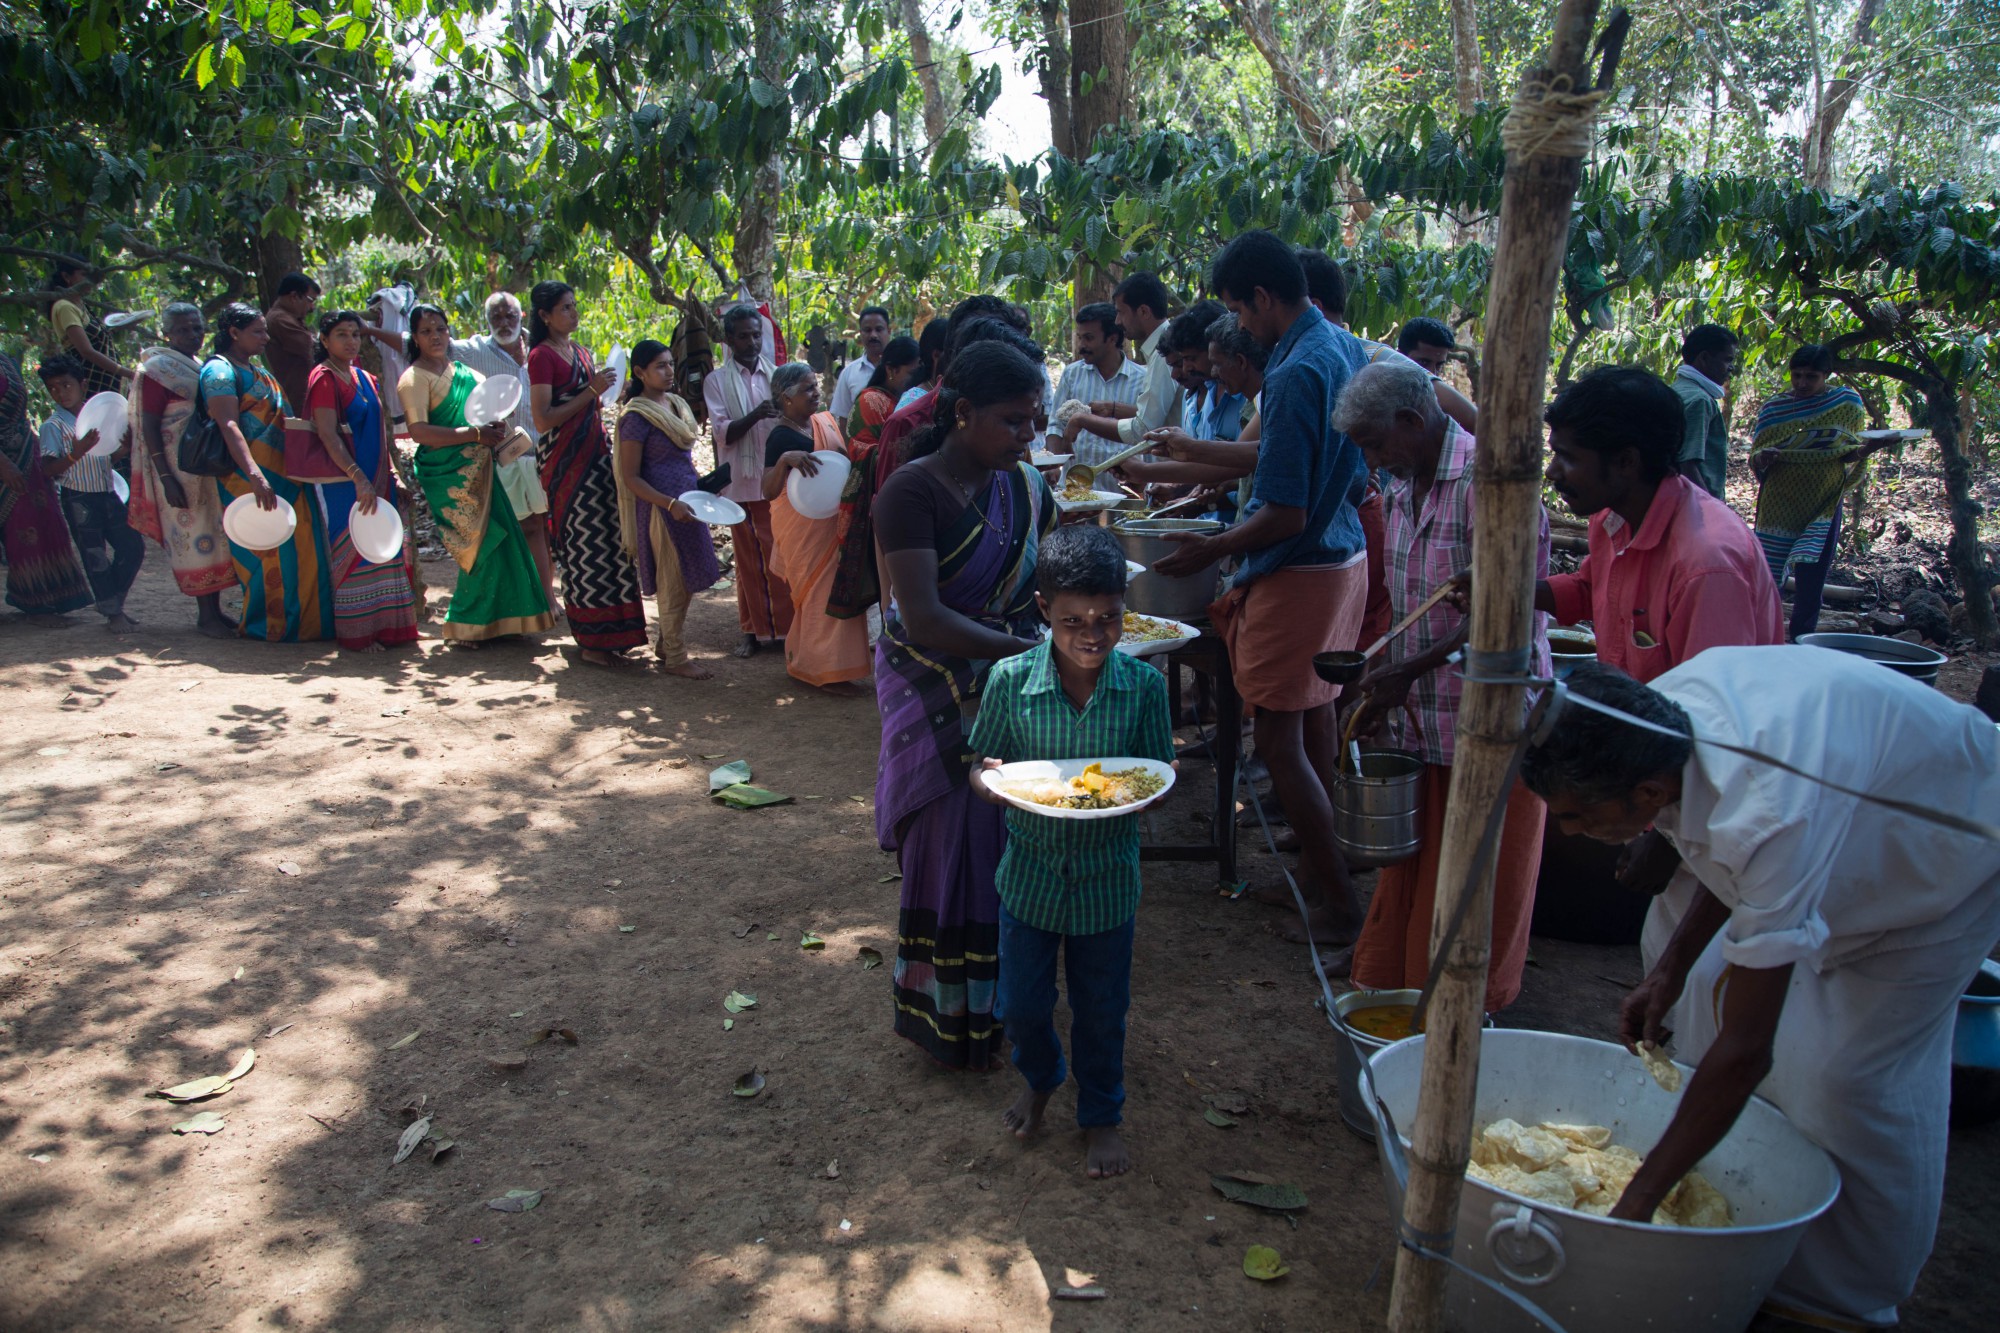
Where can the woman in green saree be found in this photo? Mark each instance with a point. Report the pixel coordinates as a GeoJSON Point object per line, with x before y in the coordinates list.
{"type": "Point", "coordinates": [499, 591]}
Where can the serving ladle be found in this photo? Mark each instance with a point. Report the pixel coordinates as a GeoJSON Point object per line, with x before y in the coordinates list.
{"type": "Point", "coordinates": [1344, 668]}
{"type": "Point", "coordinates": [1086, 474]}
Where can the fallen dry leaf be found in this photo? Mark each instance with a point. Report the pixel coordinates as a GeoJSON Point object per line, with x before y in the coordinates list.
{"type": "Point", "coordinates": [739, 934]}
{"type": "Point", "coordinates": [749, 1085]}
{"type": "Point", "coordinates": [243, 1063]}
{"type": "Point", "coordinates": [508, 1062]}
{"type": "Point", "coordinates": [833, 1169]}
{"type": "Point", "coordinates": [517, 1201]}
{"type": "Point", "coordinates": [276, 1030]}
{"type": "Point", "coordinates": [401, 1042]}
{"type": "Point", "coordinates": [288, 867]}
{"type": "Point", "coordinates": [1230, 1103]}
{"type": "Point", "coordinates": [213, 1086]}
{"type": "Point", "coordinates": [1218, 1119]}
{"type": "Point", "coordinates": [546, 1033]}
{"type": "Point", "coordinates": [238, 976]}
{"type": "Point", "coordinates": [412, 1136]}
{"type": "Point", "coordinates": [870, 958]}
{"type": "Point", "coordinates": [439, 1147]}
{"type": "Point", "coordinates": [202, 1122]}
{"type": "Point", "coordinates": [1262, 1262]}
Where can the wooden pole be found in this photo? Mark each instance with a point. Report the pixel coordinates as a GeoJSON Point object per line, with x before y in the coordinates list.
{"type": "Point", "coordinates": [1544, 163]}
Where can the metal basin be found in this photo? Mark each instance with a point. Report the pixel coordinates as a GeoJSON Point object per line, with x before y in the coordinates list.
{"type": "Point", "coordinates": [1911, 659]}
{"type": "Point", "coordinates": [1378, 816]}
{"type": "Point", "coordinates": [1591, 1273]}
{"type": "Point", "coordinates": [1570, 647]}
{"type": "Point", "coordinates": [1151, 594]}
{"type": "Point", "coordinates": [1975, 1050]}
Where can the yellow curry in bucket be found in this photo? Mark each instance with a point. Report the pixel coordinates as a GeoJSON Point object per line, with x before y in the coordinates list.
{"type": "Point", "coordinates": [1384, 1022]}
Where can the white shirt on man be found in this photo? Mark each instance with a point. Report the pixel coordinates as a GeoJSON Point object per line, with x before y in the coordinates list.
{"type": "Point", "coordinates": [745, 457]}
{"type": "Point", "coordinates": [1087, 384]}
{"type": "Point", "coordinates": [854, 377]}
{"type": "Point", "coordinates": [1159, 401]}
{"type": "Point", "coordinates": [489, 357]}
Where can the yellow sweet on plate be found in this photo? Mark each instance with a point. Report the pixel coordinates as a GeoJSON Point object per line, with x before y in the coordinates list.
{"type": "Point", "coordinates": [1092, 789]}
{"type": "Point", "coordinates": [1147, 629]}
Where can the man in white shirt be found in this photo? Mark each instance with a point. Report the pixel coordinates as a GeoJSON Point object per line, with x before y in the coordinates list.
{"type": "Point", "coordinates": [740, 415]}
{"type": "Point", "coordinates": [1100, 374]}
{"type": "Point", "coordinates": [503, 351]}
{"type": "Point", "coordinates": [854, 376]}
{"type": "Point", "coordinates": [1821, 961]}
{"type": "Point", "coordinates": [1143, 305]}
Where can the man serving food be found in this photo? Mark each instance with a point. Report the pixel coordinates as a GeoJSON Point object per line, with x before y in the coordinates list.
{"type": "Point", "coordinates": [1821, 960]}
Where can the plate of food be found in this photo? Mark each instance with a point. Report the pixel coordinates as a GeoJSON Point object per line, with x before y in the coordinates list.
{"type": "Point", "coordinates": [1146, 635]}
{"type": "Point", "coordinates": [1077, 499]}
{"type": "Point", "coordinates": [1050, 458]}
{"type": "Point", "coordinates": [1080, 788]}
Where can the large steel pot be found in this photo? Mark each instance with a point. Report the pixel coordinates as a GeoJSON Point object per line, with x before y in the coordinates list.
{"type": "Point", "coordinates": [1911, 659]}
{"type": "Point", "coordinates": [1184, 598]}
{"type": "Point", "coordinates": [1378, 816]}
{"type": "Point", "coordinates": [1975, 1050]}
{"type": "Point", "coordinates": [1590, 1273]}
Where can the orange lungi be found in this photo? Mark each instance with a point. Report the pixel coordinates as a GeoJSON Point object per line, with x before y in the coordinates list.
{"type": "Point", "coordinates": [1275, 625]}
{"type": "Point", "coordinates": [1394, 951]}
{"type": "Point", "coordinates": [763, 602]}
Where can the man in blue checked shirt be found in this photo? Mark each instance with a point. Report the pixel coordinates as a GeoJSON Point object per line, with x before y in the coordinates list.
{"type": "Point", "coordinates": [1066, 884]}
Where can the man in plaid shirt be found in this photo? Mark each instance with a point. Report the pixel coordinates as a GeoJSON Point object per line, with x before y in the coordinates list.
{"type": "Point", "coordinates": [1390, 411]}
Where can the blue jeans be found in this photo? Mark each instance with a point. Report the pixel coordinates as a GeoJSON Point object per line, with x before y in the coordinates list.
{"type": "Point", "coordinates": [1100, 991]}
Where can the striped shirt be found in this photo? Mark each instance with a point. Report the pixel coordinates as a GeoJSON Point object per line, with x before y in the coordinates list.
{"type": "Point", "coordinates": [1421, 551]}
{"type": "Point", "coordinates": [1072, 876]}
{"type": "Point", "coordinates": [1083, 382]}
{"type": "Point", "coordinates": [87, 473]}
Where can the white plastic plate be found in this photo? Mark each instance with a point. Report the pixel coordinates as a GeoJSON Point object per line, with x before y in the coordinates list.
{"type": "Point", "coordinates": [1000, 779]}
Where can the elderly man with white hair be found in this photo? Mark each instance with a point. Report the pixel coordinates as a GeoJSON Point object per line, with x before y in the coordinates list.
{"type": "Point", "coordinates": [1391, 411]}
{"type": "Point", "coordinates": [503, 351]}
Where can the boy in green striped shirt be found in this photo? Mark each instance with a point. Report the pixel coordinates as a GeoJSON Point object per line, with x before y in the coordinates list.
{"type": "Point", "coordinates": [1067, 884]}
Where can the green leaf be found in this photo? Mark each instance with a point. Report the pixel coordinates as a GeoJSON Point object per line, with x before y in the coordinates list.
{"type": "Point", "coordinates": [279, 19]}
{"type": "Point", "coordinates": [811, 941]}
{"type": "Point", "coordinates": [737, 1001]}
{"type": "Point", "coordinates": [1269, 1196]}
{"type": "Point", "coordinates": [202, 1122]}
{"type": "Point", "coordinates": [1263, 1263]}
{"type": "Point", "coordinates": [204, 68]}
{"type": "Point", "coordinates": [731, 773]}
{"type": "Point", "coordinates": [1218, 1119]}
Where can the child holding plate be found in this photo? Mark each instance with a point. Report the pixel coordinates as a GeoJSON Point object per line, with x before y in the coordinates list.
{"type": "Point", "coordinates": [1066, 884]}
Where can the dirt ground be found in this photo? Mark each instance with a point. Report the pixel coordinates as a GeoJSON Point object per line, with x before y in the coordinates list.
{"type": "Point", "coordinates": [211, 846]}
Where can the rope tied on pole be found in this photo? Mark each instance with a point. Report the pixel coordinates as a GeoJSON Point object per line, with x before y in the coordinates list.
{"type": "Point", "coordinates": [1549, 116]}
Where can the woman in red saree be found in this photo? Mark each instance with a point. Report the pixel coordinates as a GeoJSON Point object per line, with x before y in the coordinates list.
{"type": "Point", "coordinates": [821, 650]}
{"type": "Point", "coordinates": [600, 585]}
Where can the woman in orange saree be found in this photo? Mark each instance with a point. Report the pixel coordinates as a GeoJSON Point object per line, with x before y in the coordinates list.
{"type": "Point", "coordinates": [821, 650]}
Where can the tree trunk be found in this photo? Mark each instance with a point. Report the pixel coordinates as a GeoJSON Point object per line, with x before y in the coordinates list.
{"type": "Point", "coordinates": [1099, 52]}
{"type": "Point", "coordinates": [1534, 229]}
{"type": "Point", "coordinates": [1838, 97]}
{"type": "Point", "coordinates": [756, 238]}
{"type": "Point", "coordinates": [1975, 574]}
{"type": "Point", "coordinates": [1468, 76]}
{"type": "Point", "coordinates": [926, 70]}
{"type": "Point", "coordinates": [1254, 17]}
{"type": "Point", "coordinates": [277, 255]}
{"type": "Point", "coordinates": [1053, 69]}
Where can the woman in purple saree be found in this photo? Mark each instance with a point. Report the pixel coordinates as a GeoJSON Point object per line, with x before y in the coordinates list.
{"type": "Point", "coordinates": [959, 526]}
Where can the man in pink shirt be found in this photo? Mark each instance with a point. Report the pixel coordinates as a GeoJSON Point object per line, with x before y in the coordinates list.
{"type": "Point", "coordinates": [1671, 570]}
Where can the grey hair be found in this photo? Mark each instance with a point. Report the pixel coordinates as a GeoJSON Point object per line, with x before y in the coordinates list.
{"type": "Point", "coordinates": [788, 377]}
{"type": "Point", "coordinates": [739, 314]}
{"type": "Point", "coordinates": [1596, 758]}
{"type": "Point", "coordinates": [1379, 391]}
{"type": "Point", "coordinates": [178, 309]}
{"type": "Point", "coordinates": [500, 299]}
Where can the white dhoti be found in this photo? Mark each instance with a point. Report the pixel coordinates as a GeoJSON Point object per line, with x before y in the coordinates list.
{"type": "Point", "coordinates": [1862, 1066]}
{"type": "Point", "coordinates": [1663, 918]}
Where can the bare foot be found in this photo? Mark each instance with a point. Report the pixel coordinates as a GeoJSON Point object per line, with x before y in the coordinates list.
{"type": "Point", "coordinates": [687, 670]}
{"type": "Point", "coordinates": [47, 621]}
{"type": "Point", "coordinates": [1328, 930]}
{"type": "Point", "coordinates": [1272, 895]}
{"type": "Point", "coordinates": [121, 624]}
{"type": "Point", "coordinates": [842, 689]}
{"type": "Point", "coordinates": [371, 648]}
{"type": "Point", "coordinates": [216, 629]}
{"type": "Point", "coordinates": [1338, 964]}
{"type": "Point", "coordinates": [470, 645]}
{"type": "Point", "coordinates": [1024, 1117]}
{"type": "Point", "coordinates": [1105, 1152]}
{"type": "Point", "coordinates": [747, 648]}
{"type": "Point", "coordinates": [599, 658]}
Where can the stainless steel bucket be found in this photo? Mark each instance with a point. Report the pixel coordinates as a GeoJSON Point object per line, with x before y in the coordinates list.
{"type": "Point", "coordinates": [1911, 659]}
{"type": "Point", "coordinates": [1184, 598]}
{"type": "Point", "coordinates": [1356, 1045]}
{"type": "Point", "coordinates": [1591, 1273]}
{"type": "Point", "coordinates": [1378, 816]}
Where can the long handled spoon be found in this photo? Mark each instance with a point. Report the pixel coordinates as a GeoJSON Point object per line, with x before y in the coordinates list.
{"type": "Point", "coordinates": [1346, 668]}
